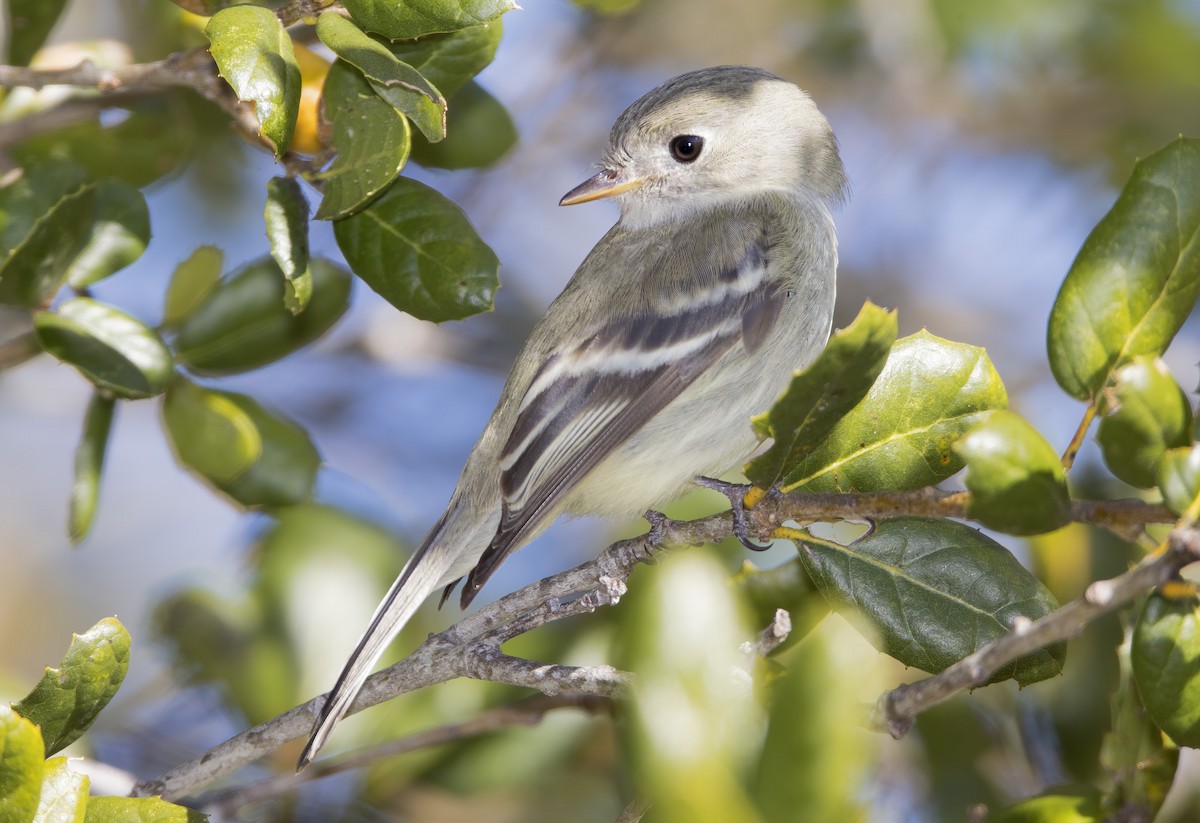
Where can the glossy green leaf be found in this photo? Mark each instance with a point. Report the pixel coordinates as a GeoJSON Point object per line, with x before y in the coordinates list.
{"type": "Point", "coordinates": [139, 810]}
{"type": "Point", "coordinates": [392, 79]}
{"type": "Point", "coordinates": [1136, 277]}
{"type": "Point", "coordinates": [68, 698]}
{"type": "Point", "coordinates": [113, 350]}
{"type": "Point", "coordinates": [64, 794]}
{"type": "Point", "coordinates": [1145, 413]}
{"type": "Point", "coordinates": [244, 324]}
{"type": "Point", "coordinates": [419, 251]}
{"type": "Point", "coordinates": [372, 140]}
{"type": "Point", "coordinates": [29, 24]}
{"type": "Point", "coordinates": [286, 214]}
{"type": "Point", "coordinates": [1166, 665]}
{"type": "Point", "coordinates": [254, 54]}
{"type": "Point", "coordinates": [1062, 805]}
{"type": "Point", "coordinates": [693, 726]}
{"type": "Point", "coordinates": [448, 61]}
{"type": "Point", "coordinates": [45, 219]}
{"type": "Point", "coordinates": [191, 283]}
{"type": "Point", "coordinates": [481, 132]}
{"type": "Point", "coordinates": [823, 393]}
{"type": "Point", "coordinates": [1015, 477]}
{"type": "Point", "coordinates": [119, 234]}
{"type": "Point", "coordinates": [1179, 481]}
{"type": "Point", "coordinates": [22, 765]}
{"type": "Point", "coordinates": [89, 465]}
{"type": "Point", "coordinates": [416, 18]}
{"type": "Point", "coordinates": [253, 456]}
{"type": "Point", "coordinates": [933, 591]}
{"type": "Point", "coordinates": [901, 436]}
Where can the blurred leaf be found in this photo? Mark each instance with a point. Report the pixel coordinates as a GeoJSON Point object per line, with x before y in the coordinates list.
{"type": "Point", "coordinates": [480, 133]}
{"type": "Point", "coordinates": [820, 395]}
{"type": "Point", "coordinates": [89, 465]}
{"type": "Point", "coordinates": [694, 726]}
{"type": "Point", "coordinates": [901, 436]}
{"type": "Point", "coordinates": [286, 214]}
{"type": "Point", "coordinates": [113, 350]}
{"type": "Point", "coordinates": [68, 698]}
{"type": "Point", "coordinates": [372, 140]}
{"type": "Point", "coordinates": [1136, 277]}
{"type": "Point", "coordinates": [22, 765]}
{"type": "Point", "coordinates": [1146, 413]}
{"type": "Point", "coordinates": [933, 591]}
{"type": "Point", "coordinates": [254, 53]}
{"type": "Point", "coordinates": [787, 586]}
{"type": "Point", "coordinates": [1179, 480]}
{"type": "Point", "coordinates": [1142, 769]}
{"type": "Point", "coordinates": [1166, 665]}
{"type": "Point", "coordinates": [119, 234]}
{"type": "Point", "coordinates": [29, 24]}
{"type": "Point", "coordinates": [314, 68]}
{"type": "Point", "coordinates": [64, 794]}
{"type": "Point", "coordinates": [191, 284]}
{"type": "Point", "coordinates": [395, 81]}
{"type": "Point", "coordinates": [420, 17]}
{"type": "Point", "coordinates": [149, 142]}
{"type": "Point", "coordinates": [606, 6]}
{"type": "Point", "coordinates": [449, 60]}
{"type": "Point", "coordinates": [45, 217]}
{"type": "Point", "coordinates": [418, 250]}
{"type": "Point", "coordinates": [1016, 479]}
{"type": "Point", "coordinates": [139, 810]}
{"type": "Point", "coordinates": [229, 440]}
{"type": "Point", "coordinates": [243, 323]}
{"type": "Point", "coordinates": [1061, 805]}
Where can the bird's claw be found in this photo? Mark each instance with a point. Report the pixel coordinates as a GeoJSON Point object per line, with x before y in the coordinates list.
{"type": "Point", "coordinates": [658, 525]}
{"type": "Point", "coordinates": [736, 494]}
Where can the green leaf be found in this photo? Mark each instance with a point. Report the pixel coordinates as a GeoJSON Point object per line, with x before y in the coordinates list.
{"type": "Point", "coordinates": [89, 465]}
{"type": "Point", "coordinates": [416, 18]}
{"type": "Point", "coordinates": [786, 586]}
{"type": "Point", "coordinates": [901, 436]}
{"type": "Point", "coordinates": [1060, 805]}
{"type": "Point", "coordinates": [1179, 481]}
{"type": "Point", "coordinates": [1166, 665]}
{"type": "Point", "coordinates": [1136, 277]}
{"type": "Point", "coordinates": [820, 395]}
{"type": "Point", "coordinates": [254, 53]}
{"type": "Point", "coordinates": [139, 810]}
{"type": "Point", "coordinates": [113, 350]}
{"type": "Point", "coordinates": [22, 765]}
{"type": "Point", "coordinates": [448, 61]}
{"type": "Point", "coordinates": [29, 24]}
{"type": "Point", "coordinates": [68, 698]}
{"type": "Point", "coordinates": [191, 284]}
{"type": "Point", "coordinates": [932, 592]}
{"type": "Point", "coordinates": [64, 794]}
{"type": "Point", "coordinates": [45, 219]}
{"type": "Point", "coordinates": [418, 250]}
{"type": "Point", "coordinates": [244, 324]}
{"type": "Point", "coordinates": [244, 451]}
{"type": "Point", "coordinates": [481, 132]}
{"type": "Point", "coordinates": [119, 234]}
{"type": "Point", "coordinates": [1016, 479]}
{"type": "Point", "coordinates": [1146, 413]}
{"type": "Point", "coordinates": [392, 79]}
{"type": "Point", "coordinates": [371, 138]}
{"type": "Point", "coordinates": [286, 214]}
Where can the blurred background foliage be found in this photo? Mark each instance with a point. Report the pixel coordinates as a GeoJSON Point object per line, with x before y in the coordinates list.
{"type": "Point", "coordinates": [983, 141]}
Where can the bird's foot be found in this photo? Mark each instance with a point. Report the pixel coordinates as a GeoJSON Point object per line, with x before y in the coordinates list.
{"type": "Point", "coordinates": [737, 495]}
{"type": "Point", "coordinates": [658, 526]}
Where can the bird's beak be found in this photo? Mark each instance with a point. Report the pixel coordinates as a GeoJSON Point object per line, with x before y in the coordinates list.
{"type": "Point", "coordinates": [605, 184]}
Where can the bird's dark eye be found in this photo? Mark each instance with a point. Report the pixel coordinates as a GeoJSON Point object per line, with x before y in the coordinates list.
{"type": "Point", "coordinates": [686, 147]}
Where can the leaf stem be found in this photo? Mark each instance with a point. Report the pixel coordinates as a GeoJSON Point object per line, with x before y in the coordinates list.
{"type": "Point", "coordinates": [1089, 414]}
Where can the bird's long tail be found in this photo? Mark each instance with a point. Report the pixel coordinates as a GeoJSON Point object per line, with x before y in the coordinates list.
{"type": "Point", "coordinates": [422, 574]}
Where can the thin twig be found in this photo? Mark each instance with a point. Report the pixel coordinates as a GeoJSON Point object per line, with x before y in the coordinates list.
{"type": "Point", "coordinates": [1068, 458]}
{"type": "Point", "coordinates": [635, 810]}
{"type": "Point", "coordinates": [897, 710]}
{"type": "Point", "coordinates": [18, 350]}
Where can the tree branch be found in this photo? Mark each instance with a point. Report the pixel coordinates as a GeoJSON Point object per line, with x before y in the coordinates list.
{"type": "Point", "coordinates": [897, 710]}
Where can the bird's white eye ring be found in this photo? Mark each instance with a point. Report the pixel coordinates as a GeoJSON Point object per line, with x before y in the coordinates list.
{"type": "Point", "coordinates": [686, 147]}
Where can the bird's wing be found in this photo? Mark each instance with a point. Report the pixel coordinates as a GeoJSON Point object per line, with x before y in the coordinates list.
{"type": "Point", "coordinates": [584, 403]}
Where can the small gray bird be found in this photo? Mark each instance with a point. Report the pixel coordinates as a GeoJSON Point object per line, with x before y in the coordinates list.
{"type": "Point", "coordinates": [686, 319]}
